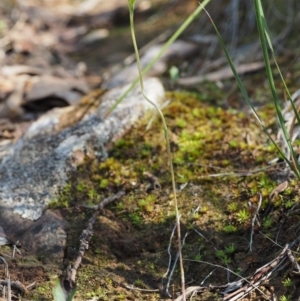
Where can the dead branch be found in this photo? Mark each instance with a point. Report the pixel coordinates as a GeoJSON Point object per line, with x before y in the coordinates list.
{"type": "Point", "coordinates": [68, 280]}
{"type": "Point", "coordinates": [16, 285]}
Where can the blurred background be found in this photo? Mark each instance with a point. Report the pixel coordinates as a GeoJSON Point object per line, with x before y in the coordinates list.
{"type": "Point", "coordinates": [88, 44]}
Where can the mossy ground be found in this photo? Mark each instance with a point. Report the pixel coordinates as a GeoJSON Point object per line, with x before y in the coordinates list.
{"type": "Point", "coordinates": [216, 153]}
{"type": "Point", "coordinates": [131, 237]}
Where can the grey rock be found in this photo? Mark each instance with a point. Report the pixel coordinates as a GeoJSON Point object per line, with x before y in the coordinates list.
{"type": "Point", "coordinates": [33, 170]}
{"type": "Point", "coordinates": [46, 237]}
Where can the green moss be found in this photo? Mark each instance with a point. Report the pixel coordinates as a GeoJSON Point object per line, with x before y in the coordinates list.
{"type": "Point", "coordinates": [81, 187]}
{"type": "Point", "coordinates": [104, 183]}
{"type": "Point", "coordinates": [230, 228]}
{"type": "Point", "coordinates": [243, 216]}
{"type": "Point", "coordinates": [232, 207]}
{"type": "Point", "coordinates": [135, 218]}
{"type": "Point", "coordinates": [92, 194]}
{"type": "Point", "coordinates": [205, 141]}
{"type": "Point", "coordinates": [181, 123]}
{"type": "Point", "coordinates": [64, 200]}
{"type": "Point", "coordinates": [233, 143]}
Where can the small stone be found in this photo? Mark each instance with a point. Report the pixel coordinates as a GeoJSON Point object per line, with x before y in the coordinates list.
{"type": "Point", "coordinates": [46, 237]}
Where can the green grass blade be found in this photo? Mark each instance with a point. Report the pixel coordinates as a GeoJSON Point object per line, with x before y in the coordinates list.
{"type": "Point", "coordinates": [169, 152]}
{"type": "Point", "coordinates": [171, 40]}
{"type": "Point", "coordinates": [266, 41]}
{"type": "Point", "coordinates": [269, 41]}
{"type": "Point", "coordinates": [245, 94]}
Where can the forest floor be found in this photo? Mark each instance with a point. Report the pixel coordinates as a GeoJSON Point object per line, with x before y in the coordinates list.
{"type": "Point", "coordinates": [237, 210]}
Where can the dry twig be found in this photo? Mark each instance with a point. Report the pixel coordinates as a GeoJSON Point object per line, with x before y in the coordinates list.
{"type": "Point", "coordinates": [241, 288]}
{"type": "Point", "coordinates": [68, 280]}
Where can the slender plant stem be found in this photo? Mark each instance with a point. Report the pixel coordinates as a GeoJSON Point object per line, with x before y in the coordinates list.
{"type": "Point", "coordinates": [170, 41]}
{"type": "Point", "coordinates": [168, 150]}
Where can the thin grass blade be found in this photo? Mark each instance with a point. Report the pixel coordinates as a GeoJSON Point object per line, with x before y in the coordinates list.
{"type": "Point", "coordinates": [265, 41]}
{"type": "Point", "coordinates": [245, 94]}
{"type": "Point", "coordinates": [171, 40]}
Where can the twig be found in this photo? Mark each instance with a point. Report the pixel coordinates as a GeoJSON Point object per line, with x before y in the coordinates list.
{"type": "Point", "coordinates": [210, 273]}
{"type": "Point", "coordinates": [68, 281]}
{"type": "Point", "coordinates": [239, 289]}
{"type": "Point", "coordinates": [30, 286]}
{"type": "Point", "coordinates": [17, 285]}
{"type": "Point", "coordinates": [234, 173]}
{"type": "Point", "coordinates": [294, 262]}
{"type": "Point", "coordinates": [88, 232]}
{"type": "Point", "coordinates": [154, 179]}
{"type": "Point", "coordinates": [141, 289]}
